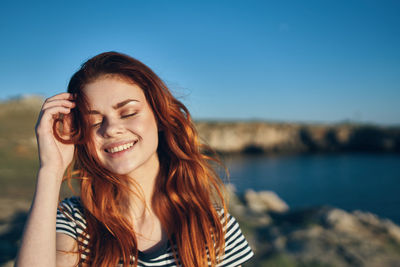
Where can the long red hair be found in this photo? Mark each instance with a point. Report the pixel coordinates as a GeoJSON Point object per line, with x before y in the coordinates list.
{"type": "Point", "coordinates": [188, 192]}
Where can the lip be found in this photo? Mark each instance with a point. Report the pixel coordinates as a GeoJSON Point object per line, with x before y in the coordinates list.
{"type": "Point", "coordinates": [116, 144]}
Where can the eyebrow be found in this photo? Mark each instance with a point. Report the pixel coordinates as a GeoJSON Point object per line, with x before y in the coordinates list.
{"type": "Point", "coordinates": [116, 106]}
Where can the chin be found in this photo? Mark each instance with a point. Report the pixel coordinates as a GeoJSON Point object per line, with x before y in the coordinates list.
{"type": "Point", "coordinates": [120, 170]}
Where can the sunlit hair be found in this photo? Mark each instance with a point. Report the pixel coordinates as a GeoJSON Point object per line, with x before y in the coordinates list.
{"type": "Point", "coordinates": [188, 193]}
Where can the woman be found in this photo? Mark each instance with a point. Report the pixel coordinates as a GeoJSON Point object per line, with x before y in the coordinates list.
{"type": "Point", "coordinates": [148, 196]}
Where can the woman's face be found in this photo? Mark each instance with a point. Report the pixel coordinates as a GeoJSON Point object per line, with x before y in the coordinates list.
{"type": "Point", "coordinates": [123, 126]}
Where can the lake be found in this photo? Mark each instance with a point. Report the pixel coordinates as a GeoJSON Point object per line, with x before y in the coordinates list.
{"type": "Point", "coordinates": [355, 181]}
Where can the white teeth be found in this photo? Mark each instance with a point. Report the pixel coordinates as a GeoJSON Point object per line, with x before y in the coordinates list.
{"type": "Point", "coordinates": [119, 148]}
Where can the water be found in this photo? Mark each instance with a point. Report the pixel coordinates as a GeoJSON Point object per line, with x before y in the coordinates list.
{"type": "Point", "coordinates": [368, 182]}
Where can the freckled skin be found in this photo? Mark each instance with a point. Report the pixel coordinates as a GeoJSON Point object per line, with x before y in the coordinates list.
{"type": "Point", "coordinates": [133, 122]}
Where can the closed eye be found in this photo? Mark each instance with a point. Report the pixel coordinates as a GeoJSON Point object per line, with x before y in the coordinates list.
{"type": "Point", "coordinates": [128, 115]}
{"type": "Point", "coordinates": [96, 124]}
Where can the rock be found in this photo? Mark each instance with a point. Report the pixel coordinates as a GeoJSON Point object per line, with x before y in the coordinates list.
{"type": "Point", "coordinates": [235, 205]}
{"type": "Point", "coordinates": [318, 236]}
{"type": "Point", "coordinates": [393, 230]}
{"type": "Point", "coordinates": [342, 221]}
{"type": "Point", "coordinates": [8, 264]}
{"type": "Point", "coordinates": [264, 201]}
{"type": "Point", "coordinates": [384, 226]}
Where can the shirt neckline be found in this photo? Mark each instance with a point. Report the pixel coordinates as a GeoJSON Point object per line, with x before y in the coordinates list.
{"type": "Point", "coordinates": [163, 247]}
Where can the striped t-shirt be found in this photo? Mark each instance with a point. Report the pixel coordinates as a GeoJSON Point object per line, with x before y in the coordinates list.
{"type": "Point", "coordinates": [237, 251]}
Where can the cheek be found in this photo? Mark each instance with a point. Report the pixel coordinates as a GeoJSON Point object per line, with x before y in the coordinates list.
{"type": "Point", "coordinates": [97, 145]}
{"type": "Point", "coordinates": [145, 126]}
{"type": "Point", "coordinates": [152, 131]}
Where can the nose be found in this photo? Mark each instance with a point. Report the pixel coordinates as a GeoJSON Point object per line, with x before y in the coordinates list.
{"type": "Point", "coordinates": [112, 127]}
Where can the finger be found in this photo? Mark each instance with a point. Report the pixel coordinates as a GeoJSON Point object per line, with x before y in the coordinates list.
{"type": "Point", "coordinates": [52, 113]}
{"type": "Point", "coordinates": [55, 103]}
{"type": "Point", "coordinates": [59, 102]}
{"type": "Point", "coordinates": [65, 96]}
{"type": "Point", "coordinates": [47, 118]}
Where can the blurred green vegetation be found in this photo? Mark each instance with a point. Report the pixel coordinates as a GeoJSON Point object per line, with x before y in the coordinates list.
{"type": "Point", "coordinates": [18, 150]}
{"type": "Point", "coordinates": [18, 168]}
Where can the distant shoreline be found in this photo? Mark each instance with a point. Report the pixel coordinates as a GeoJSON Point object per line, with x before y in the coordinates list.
{"type": "Point", "coordinates": [267, 137]}
{"type": "Point", "coordinates": [273, 137]}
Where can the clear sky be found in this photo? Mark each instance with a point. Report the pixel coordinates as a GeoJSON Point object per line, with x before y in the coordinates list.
{"type": "Point", "coordinates": [304, 61]}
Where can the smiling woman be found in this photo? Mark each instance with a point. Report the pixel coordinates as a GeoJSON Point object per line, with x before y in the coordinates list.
{"type": "Point", "coordinates": [124, 128]}
{"type": "Point", "coordinates": [148, 194]}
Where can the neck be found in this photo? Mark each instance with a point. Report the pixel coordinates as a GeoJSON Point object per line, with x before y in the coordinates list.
{"type": "Point", "coordinates": [144, 179]}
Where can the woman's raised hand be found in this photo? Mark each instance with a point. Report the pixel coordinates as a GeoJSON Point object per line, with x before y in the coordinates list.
{"type": "Point", "coordinates": [38, 246]}
{"type": "Point", "coordinates": [53, 154]}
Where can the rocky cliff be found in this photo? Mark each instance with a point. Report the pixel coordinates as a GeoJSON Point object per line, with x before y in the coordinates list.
{"type": "Point", "coordinates": [265, 137]}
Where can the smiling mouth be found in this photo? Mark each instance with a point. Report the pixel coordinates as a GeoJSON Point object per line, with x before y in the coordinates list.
{"type": "Point", "coordinates": [120, 148]}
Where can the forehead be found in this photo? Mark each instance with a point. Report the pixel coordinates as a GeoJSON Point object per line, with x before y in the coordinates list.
{"type": "Point", "coordinates": [110, 90]}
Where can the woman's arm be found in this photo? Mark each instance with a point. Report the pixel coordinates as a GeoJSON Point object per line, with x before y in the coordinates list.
{"type": "Point", "coordinates": [67, 248]}
{"type": "Point", "coordinates": [48, 249]}
{"type": "Point", "coordinates": [38, 247]}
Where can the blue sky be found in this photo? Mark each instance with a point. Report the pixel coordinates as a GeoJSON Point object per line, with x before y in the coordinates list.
{"type": "Point", "coordinates": [303, 61]}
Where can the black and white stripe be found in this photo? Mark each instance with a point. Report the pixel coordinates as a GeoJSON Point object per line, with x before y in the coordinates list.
{"type": "Point", "coordinates": [71, 221]}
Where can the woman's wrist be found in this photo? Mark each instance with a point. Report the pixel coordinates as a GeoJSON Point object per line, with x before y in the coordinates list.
{"type": "Point", "coordinates": [51, 175]}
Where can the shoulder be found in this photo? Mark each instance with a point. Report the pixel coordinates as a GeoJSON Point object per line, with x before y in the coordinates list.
{"type": "Point", "coordinates": [72, 202]}
{"type": "Point", "coordinates": [237, 249]}
{"type": "Point", "coordinates": [227, 220]}
{"type": "Point", "coordinates": [70, 217]}
{"type": "Point", "coordinates": [71, 207]}
{"type": "Point", "coordinates": [231, 226]}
